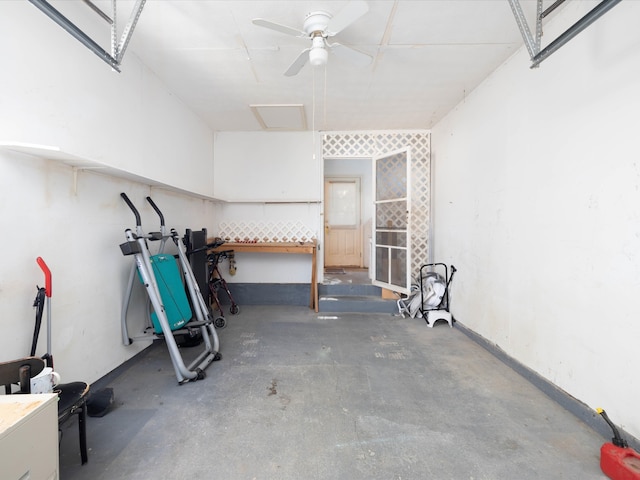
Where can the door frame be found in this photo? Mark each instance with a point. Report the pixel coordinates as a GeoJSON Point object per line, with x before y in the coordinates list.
{"type": "Point", "coordinates": [360, 227]}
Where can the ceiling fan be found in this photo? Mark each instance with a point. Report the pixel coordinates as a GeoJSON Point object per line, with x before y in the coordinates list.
{"type": "Point", "coordinates": [318, 27]}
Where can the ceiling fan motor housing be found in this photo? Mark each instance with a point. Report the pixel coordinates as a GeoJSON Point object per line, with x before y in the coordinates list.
{"type": "Point", "coordinates": [316, 22]}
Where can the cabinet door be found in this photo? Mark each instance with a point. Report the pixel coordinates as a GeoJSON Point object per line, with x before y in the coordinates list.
{"type": "Point", "coordinates": [29, 441]}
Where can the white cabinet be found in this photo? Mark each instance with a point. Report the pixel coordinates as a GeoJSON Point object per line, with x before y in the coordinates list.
{"type": "Point", "coordinates": [29, 437]}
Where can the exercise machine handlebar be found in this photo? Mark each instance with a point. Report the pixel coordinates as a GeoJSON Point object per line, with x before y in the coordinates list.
{"type": "Point", "coordinates": [155, 207]}
{"type": "Point", "coordinates": [133, 209]}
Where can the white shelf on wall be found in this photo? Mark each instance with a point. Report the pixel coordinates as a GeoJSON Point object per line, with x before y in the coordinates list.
{"type": "Point", "coordinates": [276, 201]}
{"type": "Point", "coordinates": [77, 163]}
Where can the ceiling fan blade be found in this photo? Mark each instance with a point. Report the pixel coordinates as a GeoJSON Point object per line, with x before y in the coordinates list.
{"type": "Point", "coordinates": [261, 22]}
{"type": "Point", "coordinates": [345, 17]}
{"type": "Point", "coordinates": [351, 55]}
{"type": "Point", "coordinates": [298, 63]}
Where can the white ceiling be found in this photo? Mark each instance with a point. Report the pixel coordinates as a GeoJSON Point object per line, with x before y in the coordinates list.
{"type": "Point", "coordinates": [428, 54]}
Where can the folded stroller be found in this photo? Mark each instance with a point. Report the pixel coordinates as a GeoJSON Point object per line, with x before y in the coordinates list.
{"type": "Point", "coordinates": [429, 298]}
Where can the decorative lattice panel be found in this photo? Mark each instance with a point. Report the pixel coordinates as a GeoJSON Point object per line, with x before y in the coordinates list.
{"type": "Point", "coordinates": [362, 145]}
{"type": "Point", "coordinates": [258, 232]}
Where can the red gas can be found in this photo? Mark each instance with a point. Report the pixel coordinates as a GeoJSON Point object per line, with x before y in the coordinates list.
{"type": "Point", "coordinates": [617, 460]}
{"type": "Point", "coordinates": [619, 463]}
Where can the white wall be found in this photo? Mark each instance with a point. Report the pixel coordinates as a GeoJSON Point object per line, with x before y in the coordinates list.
{"type": "Point", "coordinates": [536, 202]}
{"type": "Point", "coordinates": [267, 166]}
{"type": "Point", "coordinates": [269, 178]}
{"type": "Point", "coordinates": [55, 92]}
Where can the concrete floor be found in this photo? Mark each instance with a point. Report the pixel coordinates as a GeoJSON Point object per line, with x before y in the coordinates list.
{"type": "Point", "coordinates": [301, 395]}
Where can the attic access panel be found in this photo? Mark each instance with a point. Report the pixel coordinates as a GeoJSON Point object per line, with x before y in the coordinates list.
{"type": "Point", "coordinates": [533, 44]}
{"type": "Point", "coordinates": [117, 48]}
{"type": "Point", "coordinates": [280, 117]}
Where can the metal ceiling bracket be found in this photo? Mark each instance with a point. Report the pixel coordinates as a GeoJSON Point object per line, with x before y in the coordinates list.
{"type": "Point", "coordinates": [71, 28]}
{"type": "Point", "coordinates": [539, 13]}
{"type": "Point", "coordinates": [529, 41]}
{"type": "Point", "coordinates": [114, 30]}
{"type": "Point", "coordinates": [128, 29]}
{"type": "Point", "coordinates": [551, 8]}
{"type": "Point", "coordinates": [599, 10]}
{"type": "Point", "coordinates": [533, 44]}
{"type": "Point", "coordinates": [96, 9]}
{"type": "Point", "coordinates": [115, 58]}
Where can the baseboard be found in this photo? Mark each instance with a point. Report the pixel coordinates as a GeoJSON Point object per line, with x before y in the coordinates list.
{"type": "Point", "coordinates": [107, 380]}
{"type": "Point", "coordinates": [268, 294]}
{"type": "Point", "coordinates": [570, 403]}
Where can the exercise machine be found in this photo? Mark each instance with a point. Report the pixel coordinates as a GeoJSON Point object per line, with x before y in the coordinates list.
{"type": "Point", "coordinates": [168, 280]}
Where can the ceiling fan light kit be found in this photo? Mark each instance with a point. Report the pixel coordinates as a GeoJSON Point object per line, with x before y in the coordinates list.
{"type": "Point", "coordinates": [318, 55]}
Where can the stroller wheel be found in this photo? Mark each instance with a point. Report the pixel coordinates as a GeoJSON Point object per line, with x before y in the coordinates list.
{"type": "Point", "coordinates": [234, 310]}
{"type": "Point", "coordinates": [220, 322]}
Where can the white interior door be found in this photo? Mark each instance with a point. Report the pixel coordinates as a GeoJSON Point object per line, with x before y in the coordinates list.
{"type": "Point", "coordinates": [343, 232]}
{"type": "Point", "coordinates": [391, 256]}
